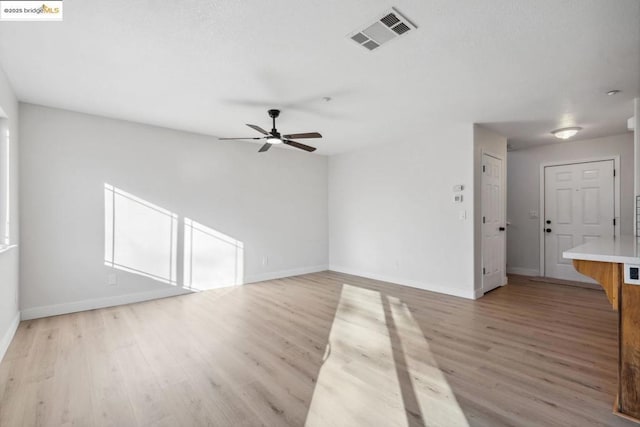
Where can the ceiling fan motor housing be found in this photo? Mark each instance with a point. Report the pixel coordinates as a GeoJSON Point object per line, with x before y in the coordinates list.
{"type": "Point", "coordinates": [274, 113]}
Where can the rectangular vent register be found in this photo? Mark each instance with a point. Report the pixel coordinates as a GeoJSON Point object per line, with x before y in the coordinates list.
{"type": "Point", "coordinates": [389, 26]}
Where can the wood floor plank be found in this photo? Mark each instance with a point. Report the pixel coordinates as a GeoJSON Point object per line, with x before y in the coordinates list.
{"type": "Point", "coordinates": [321, 349]}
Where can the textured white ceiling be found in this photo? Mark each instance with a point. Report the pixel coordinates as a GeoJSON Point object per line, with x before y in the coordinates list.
{"type": "Point", "coordinates": [521, 67]}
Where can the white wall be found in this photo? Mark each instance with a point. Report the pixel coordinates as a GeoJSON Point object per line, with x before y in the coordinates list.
{"type": "Point", "coordinates": [523, 235]}
{"type": "Point", "coordinates": [274, 202]}
{"type": "Point", "coordinates": [391, 213]}
{"type": "Point", "coordinates": [9, 315]}
{"type": "Point", "coordinates": [486, 141]}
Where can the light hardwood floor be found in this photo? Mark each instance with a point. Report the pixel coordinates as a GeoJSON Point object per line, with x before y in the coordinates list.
{"type": "Point", "coordinates": [321, 349]}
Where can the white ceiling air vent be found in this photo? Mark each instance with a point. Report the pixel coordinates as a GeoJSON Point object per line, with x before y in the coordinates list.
{"type": "Point", "coordinates": [389, 26]}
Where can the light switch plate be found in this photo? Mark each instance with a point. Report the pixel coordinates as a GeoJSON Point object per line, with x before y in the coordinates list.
{"type": "Point", "coordinates": [457, 188]}
{"type": "Point", "coordinates": [457, 198]}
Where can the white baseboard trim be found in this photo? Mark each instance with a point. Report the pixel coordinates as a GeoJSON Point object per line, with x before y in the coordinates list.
{"type": "Point", "coordinates": [8, 335]}
{"type": "Point", "coordinates": [523, 271]}
{"type": "Point", "coordinates": [284, 273]}
{"type": "Point", "coordinates": [470, 294]}
{"type": "Point", "coordinates": [90, 304]}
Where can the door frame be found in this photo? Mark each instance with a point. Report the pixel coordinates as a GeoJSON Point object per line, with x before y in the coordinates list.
{"type": "Point", "coordinates": [503, 196]}
{"type": "Point", "coordinates": [616, 196]}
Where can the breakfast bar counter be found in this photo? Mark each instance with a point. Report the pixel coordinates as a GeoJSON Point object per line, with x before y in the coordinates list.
{"type": "Point", "coordinates": [615, 264]}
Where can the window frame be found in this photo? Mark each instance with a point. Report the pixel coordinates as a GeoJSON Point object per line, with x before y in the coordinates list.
{"type": "Point", "coordinates": [5, 185]}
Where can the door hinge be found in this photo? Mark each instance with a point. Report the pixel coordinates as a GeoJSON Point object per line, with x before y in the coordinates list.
{"type": "Point", "coordinates": [614, 222]}
{"type": "Point", "coordinates": [484, 168]}
{"type": "Point", "coordinates": [484, 220]}
{"type": "Point", "coordinates": [614, 172]}
{"type": "Point", "coordinates": [484, 271]}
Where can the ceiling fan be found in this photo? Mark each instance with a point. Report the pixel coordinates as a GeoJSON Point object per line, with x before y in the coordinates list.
{"type": "Point", "coordinates": [274, 137]}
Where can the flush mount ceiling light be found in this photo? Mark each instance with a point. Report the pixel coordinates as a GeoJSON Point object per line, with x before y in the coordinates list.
{"type": "Point", "coordinates": [565, 133]}
{"type": "Point", "coordinates": [613, 92]}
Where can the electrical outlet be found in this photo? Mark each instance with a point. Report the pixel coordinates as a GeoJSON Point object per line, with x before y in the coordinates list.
{"type": "Point", "coordinates": [462, 215]}
{"type": "Point", "coordinates": [265, 260]}
{"type": "Point", "coordinates": [111, 279]}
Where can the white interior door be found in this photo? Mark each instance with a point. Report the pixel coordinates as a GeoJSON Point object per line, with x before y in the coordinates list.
{"type": "Point", "coordinates": [493, 227]}
{"type": "Point", "coordinates": [578, 206]}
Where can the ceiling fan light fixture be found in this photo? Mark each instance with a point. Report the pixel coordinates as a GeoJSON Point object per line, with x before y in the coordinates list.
{"type": "Point", "coordinates": [566, 133]}
{"type": "Point", "coordinates": [274, 137]}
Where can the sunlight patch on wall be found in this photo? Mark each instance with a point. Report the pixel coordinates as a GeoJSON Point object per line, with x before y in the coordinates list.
{"type": "Point", "coordinates": [211, 259]}
{"type": "Point", "coordinates": [140, 237]}
{"type": "Point", "coordinates": [148, 240]}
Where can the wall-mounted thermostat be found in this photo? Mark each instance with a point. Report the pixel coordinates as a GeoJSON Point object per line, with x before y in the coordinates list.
{"type": "Point", "coordinates": [632, 274]}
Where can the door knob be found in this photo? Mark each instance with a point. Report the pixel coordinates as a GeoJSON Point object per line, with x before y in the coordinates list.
{"type": "Point", "coordinates": [548, 221]}
{"type": "Point", "coordinates": [501, 228]}
{"type": "Point", "coordinates": [548, 230]}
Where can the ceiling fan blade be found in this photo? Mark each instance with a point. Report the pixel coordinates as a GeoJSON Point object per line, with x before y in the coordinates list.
{"type": "Point", "coordinates": [230, 139]}
{"type": "Point", "coordinates": [264, 148]}
{"type": "Point", "coordinates": [298, 145]}
{"type": "Point", "coordinates": [303, 135]}
{"type": "Point", "coordinates": [259, 129]}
